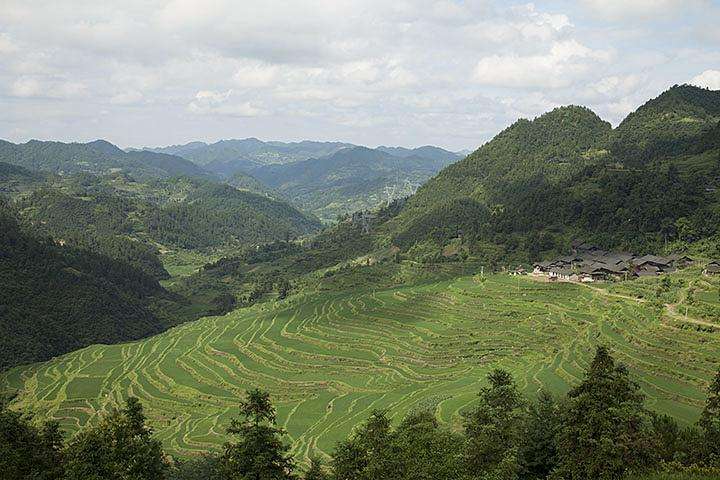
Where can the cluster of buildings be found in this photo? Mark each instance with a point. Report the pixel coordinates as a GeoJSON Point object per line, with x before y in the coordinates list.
{"type": "Point", "coordinates": [712, 268]}
{"type": "Point", "coordinates": [589, 263]}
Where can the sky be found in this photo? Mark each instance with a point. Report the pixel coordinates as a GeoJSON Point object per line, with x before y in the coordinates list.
{"type": "Point", "coordinates": [370, 72]}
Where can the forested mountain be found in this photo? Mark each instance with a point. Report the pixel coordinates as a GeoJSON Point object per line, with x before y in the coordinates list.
{"type": "Point", "coordinates": [228, 156]}
{"type": "Point", "coordinates": [211, 214]}
{"type": "Point", "coordinates": [55, 299]}
{"type": "Point", "coordinates": [95, 157]}
{"type": "Point", "coordinates": [668, 125]}
{"type": "Point", "coordinates": [325, 178]}
{"type": "Point", "coordinates": [567, 174]}
{"type": "Point", "coordinates": [352, 179]}
{"type": "Point", "coordinates": [125, 218]}
{"type": "Point", "coordinates": [15, 179]}
{"type": "Point", "coordinates": [99, 221]}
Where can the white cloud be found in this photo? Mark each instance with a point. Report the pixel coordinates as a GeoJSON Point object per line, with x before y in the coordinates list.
{"type": "Point", "coordinates": [412, 71]}
{"type": "Point", "coordinates": [707, 79]}
{"type": "Point", "coordinates": [46, 87]}
{"type": "Point", "coordinates": [208, 102]}
{"type": "Point", "coordinates": [255, 75]}
{"type": "Point", "coordinates": [616, 85]}
{"type": "Point", "coordinates": [6, 44]}
{"type": "Point", "coordinates": [559, 67]}
{"type": "Point", "coordinates": [641, 9]}
{"type": "Point", "coordinates": [128, 97]}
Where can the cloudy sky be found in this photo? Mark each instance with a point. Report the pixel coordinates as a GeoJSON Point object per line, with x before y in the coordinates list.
{"type": "Point", "coordinates": [397, 72]}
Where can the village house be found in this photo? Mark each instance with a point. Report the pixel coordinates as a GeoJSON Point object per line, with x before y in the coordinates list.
{"type": "Point", "coordinates": [712, 268]}
{"type": "Point", "coordinates": [589, 263]}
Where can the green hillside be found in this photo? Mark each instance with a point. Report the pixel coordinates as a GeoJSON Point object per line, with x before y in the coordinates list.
{"type": "Point", "coordinates": [97, 157]}
{"type": "Point", "coordinates": [329, 359]}
{"type": "Point", "coordinates": [539, 184]}
{"type": "Point", "coordinates": [15, 179]}
{"type": "Point", "coordinates": [212, 214]}
{"type": "Point", "coordinates": [98, 221]}
{"type": "Point", "coordinates": [180, 212]}
{"type": "Point", "coordinates": [667, 125]}
{"type": "Point", "coordinates": [353, 179]}
{"type": "Point", "coordinates": [56, 299]}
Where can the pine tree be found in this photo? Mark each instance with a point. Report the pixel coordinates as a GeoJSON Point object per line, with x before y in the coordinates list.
{"type": "Point", "coordinates": [259, 452]}
{"type": "Point", "coordinates": [364, 450]}
{"type": "Point", "coordinates": [606, 430]}
{"type": "Point", "coordinates": [710, 422]}
{"type": "Point", "coordinates": [120, 447]}
{"type": "Point", "coordinates": [28, 451]}
{"type": "Point", "coordinates": [538, 446]}
{"type": "Point", "coordinates": [493, 429]}
{"type": "Point", "coordinates": [316, 470]}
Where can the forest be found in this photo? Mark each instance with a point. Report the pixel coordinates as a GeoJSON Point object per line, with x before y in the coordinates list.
{"type": "Point", "coordinates": [601, 429]}
{"type": "Point", "coordinates": [567, 174]}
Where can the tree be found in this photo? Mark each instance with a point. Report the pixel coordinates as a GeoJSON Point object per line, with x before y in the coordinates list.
{"type": "Point", "coordinates": [606, 430]}
{"type": "Point", "coordinates": [710, 421]}
{"type": "Point", "coordinates": [538, 446]}
{"type": "Point", "coordinates": [364, 449]}
{"type": "Point", "coordinates": [418, 449]}
{"type": "Point", "coordinates": [120, 447]}
{"type": "Point", "coordinates": [493, 429]}
{"type": "Point", "coordinates": [28, 451]}
{"type": "Point", "coordinates": [204, 467]}
{"type": "Point", "coordinates": [259, 452]}
{"type": "Point", "coordinates": [316, 470]}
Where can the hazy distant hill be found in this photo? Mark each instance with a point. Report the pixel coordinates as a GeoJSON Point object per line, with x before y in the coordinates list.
{"type": "Point", "coordinates": [227, 157]}
{"type": "Point", "coordinates": [352, 179]}
{"type": "Point", "coordinates": [438, 156]}
{"type": "Point", "coordinates": [96, 157]}
{"type": "Point", "coordinates": [324, 178]}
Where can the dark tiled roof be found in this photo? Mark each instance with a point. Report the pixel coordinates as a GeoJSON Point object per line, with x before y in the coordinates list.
{"type": "Point", "coordinates": [652, 259]}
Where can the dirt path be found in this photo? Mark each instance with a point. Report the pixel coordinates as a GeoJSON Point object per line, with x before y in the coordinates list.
{"type": "Point", "coordinates": [609, 294]}
{"type": "Point", "coordinates": [671, 310]}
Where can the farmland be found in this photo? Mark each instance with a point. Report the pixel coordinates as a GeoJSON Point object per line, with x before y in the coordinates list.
{"type": "Point", "coordinates": [329, 358]}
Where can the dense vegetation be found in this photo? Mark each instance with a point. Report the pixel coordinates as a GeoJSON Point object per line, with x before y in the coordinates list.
{"type": "Point", "coordinates": [227, 157]}
{"type": "Point", "coordinates": [56, 299]}
{"type": "Point", "coordinates": [95, 157]}
{"type": "Point", "coordinates": [666, 126]}
{"type": "Point", "coordinates": [353, 179]}
{"type": "Point", "coordinates": [601, 430]}
{"type": "Point", "coordinates": [538, 184]}
{"type": "Point", "coordinates": [97, 221]}
{"type": "Point", "coordinates": [212, 214]}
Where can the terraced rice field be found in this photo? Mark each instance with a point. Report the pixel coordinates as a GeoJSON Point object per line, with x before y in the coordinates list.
{"type": "Point", "coordinates": [329, 359]}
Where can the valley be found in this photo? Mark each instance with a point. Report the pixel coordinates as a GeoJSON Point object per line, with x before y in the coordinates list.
{"type": "Point", "coordinates": [300, 273]}
{"type": "Point", "coordinates": [321, 240]}
{"type": "Point", "coordinates": [329, 358]}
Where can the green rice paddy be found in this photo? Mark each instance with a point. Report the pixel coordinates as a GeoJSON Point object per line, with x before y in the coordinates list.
{"type": "Point", "coordinates": [329, 359]}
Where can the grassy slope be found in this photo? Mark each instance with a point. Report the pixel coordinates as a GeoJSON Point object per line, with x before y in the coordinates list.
{"type": "Point", "coordinates": [328, 358]}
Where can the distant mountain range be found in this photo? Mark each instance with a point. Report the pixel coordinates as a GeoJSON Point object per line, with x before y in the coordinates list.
{"type": "Point", "coordinates": [98, 157]}
{"type": "Point", "coordinates": [325, 178]}
{"type": "Point", "coordinates": [353, 179]}
{"type": "Point", "coordinates": [227, 157]}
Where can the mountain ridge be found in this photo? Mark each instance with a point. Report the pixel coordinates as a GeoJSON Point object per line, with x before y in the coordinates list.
{"type": "Point", "coordinates": [98, 156]}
